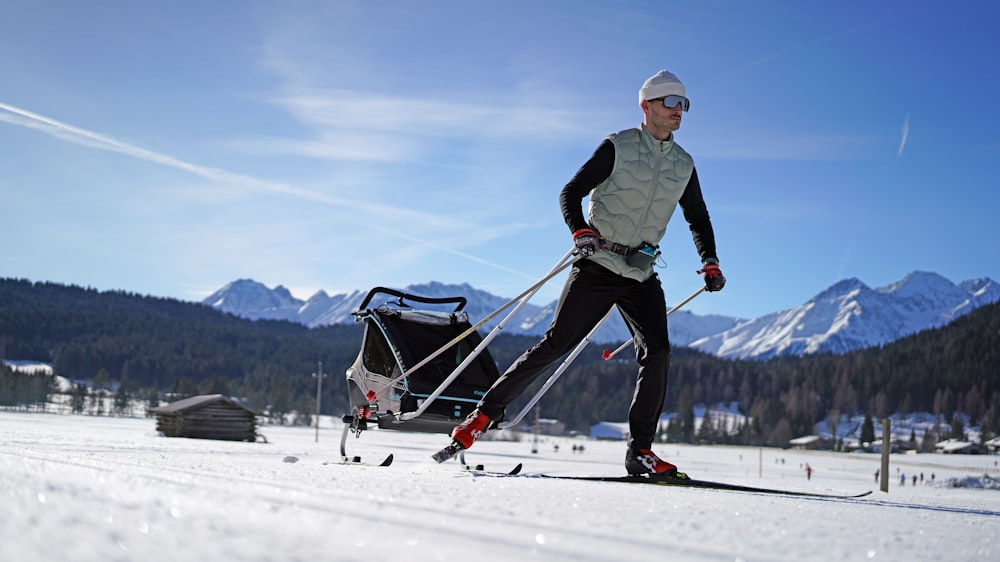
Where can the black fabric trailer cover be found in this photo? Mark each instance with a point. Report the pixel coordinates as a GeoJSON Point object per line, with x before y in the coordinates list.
{"type": "Point", "coordinates": [417, 334]}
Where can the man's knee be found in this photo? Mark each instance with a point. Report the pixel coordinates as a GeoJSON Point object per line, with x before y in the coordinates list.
{"type": "Point", "coordinates": [650, 354]}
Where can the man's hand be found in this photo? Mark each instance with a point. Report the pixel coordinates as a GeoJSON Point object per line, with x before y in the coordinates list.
{"type": "Point", "coordinates": [714, 280]}
{"type": "Point", "coordinates": [587, 242]}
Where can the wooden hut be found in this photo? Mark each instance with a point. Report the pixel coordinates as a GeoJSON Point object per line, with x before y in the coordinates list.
{"type": "Point", "coordinates": [211, 416]}
{"type": "Point", "coordinates": [809, 443]}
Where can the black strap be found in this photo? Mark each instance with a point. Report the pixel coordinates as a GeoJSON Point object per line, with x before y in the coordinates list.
{"type": "Point", "coordinates": [619, 249]}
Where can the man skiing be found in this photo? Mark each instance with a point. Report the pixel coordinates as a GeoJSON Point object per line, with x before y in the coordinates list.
{"type": "Point", "coordinates": [635, 179]}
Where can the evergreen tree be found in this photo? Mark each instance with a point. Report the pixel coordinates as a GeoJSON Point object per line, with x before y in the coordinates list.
{"type": "Point", "coordinates": [706, 432]}
{"type": "Point", "coordinates": [744, 435]}
{"type": "Point", "coordinates": [958, 428]}
{"type": "Point", "coordinates": [832, 421]}
{"type": "Point", "coordinates": [183, 387]}
{"type": "Point", "coordinates": [306, 405]}
{"type": "Point", "coordinates": [781, 434]}
{"type": "Point", "coordinates": [97, 401]}
{"type": "Point", "coordinates": [868, 431]}
{"type": "Point", "coordinates": [673, 433]}
{"type": "Point", "coordinates": [121, 401]}
{"type": "Point", "coordinates": [215, 385]}
{"type": "Point", "coordinates": [929, 441]}
{"type": "Point", "coordinates": [153, 401]}
{"type": "Point", "coordinates": [280, 402]}
{"type": "Point", "coordinates": [685, 416]}
{"type": "Point", "coordinates": [102, 378]}
{"type": "Point", "coordinates": [985, 431]}
{"type": "Point", "coordinates": [78, 400]}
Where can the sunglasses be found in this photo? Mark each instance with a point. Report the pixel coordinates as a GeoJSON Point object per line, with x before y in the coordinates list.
{"type": "Point", "coordinates": [672, 101]}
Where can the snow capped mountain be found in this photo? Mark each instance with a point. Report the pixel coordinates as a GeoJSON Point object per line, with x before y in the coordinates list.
{"type": "Point", "coordinates": [983, 290]}
{"type": "Point", "coordinates": [250, 299]}
{"type": "Point", "coordinates": [253, 300]}
{"type": "Point", "coordinates": [322, 309]}
{"type": "Point", "coordinates": [850, 315]}
{"type": "Point", "coordinates": [846, 316]}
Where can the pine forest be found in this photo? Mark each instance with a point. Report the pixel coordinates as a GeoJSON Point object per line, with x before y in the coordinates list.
{"type": "Point", "coordinates": [132, 347]}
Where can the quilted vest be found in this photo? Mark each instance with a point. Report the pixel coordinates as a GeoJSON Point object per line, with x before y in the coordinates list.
{"type": "Point", "coordinates": [637, 200]}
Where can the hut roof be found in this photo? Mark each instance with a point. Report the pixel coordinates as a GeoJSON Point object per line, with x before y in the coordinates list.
{"type": "Point", "coordinates": [805, 440]}
{"type": "Point", "coordinates": [197, 402]}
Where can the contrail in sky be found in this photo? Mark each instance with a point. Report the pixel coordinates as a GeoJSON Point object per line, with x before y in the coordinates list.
{"type": "Point", "coordinates": [88, 138]}
{"type": "Point", "coordinates": [801, 46]}
{"type": "Point", "coordinates": [906, 135]}
{"type": "Point", "coordinates": [70, 133]}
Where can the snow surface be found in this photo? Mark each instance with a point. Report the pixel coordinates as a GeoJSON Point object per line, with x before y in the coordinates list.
{"type": "Point", "coordinates": [88, 488]}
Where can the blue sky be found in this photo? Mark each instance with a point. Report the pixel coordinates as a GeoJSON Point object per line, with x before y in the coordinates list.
{"type": "Point", "coordinates": [170, 148]}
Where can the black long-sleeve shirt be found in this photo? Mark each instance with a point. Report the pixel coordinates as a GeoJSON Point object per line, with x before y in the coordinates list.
{"type": "Point", "coordinates": [597, 169]}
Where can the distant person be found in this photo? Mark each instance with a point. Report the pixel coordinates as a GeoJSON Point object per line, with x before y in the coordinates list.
{"type": "Point", "coordinates": [635, 180]}
{"type": "Point", "coordinates": [876, 475]}
{"type": "Point", "coordinates": [902, 479]}
{"type": "Point", "coordinates": [809, 472]}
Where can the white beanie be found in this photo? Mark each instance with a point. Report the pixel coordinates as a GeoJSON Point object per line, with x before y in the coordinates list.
{"type": "Point", "coordinates": [661, 84]}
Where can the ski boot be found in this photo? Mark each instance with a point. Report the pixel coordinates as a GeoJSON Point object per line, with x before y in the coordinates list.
{"type": "Point", "coordinates": [644, 462]}
{"type": "Point", "coordinates": [464, 435]}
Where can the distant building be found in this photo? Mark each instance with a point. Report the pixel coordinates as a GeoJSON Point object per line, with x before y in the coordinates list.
{"type": "Point", "coordinates": [809, 442]}
{"type": "Point", "coordinates": [546, 427]}
{"type": "Point", "coordinates": [955, 447]}
{"type": "Point", "coordinates": [211, 416]}
{"type": "Point", "coordinates": [610, 430]}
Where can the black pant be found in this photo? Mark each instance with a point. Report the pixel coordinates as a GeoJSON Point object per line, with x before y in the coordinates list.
{"type": "Point", "coordinates": [589, 294]}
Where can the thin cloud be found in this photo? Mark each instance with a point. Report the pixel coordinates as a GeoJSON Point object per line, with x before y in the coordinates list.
{"type": "Point", "coordinates": [905, 135]}
{"type": "Point", "coordinates": [77, 135]}
{"type": "Point", "coordinates": [802, 46]}
{"type": "Point", "coordinates": [334, 109]}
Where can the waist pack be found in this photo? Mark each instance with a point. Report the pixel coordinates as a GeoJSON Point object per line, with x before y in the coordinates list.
{"type": "Point", "coordinates": [643, 256]}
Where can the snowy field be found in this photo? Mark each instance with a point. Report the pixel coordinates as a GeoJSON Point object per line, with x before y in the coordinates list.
{"type": "Point", "coordinates": [86, 488]}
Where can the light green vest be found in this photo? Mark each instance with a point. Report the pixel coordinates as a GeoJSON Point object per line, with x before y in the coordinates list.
{"type": "Point", "coordinates": [637, 200]}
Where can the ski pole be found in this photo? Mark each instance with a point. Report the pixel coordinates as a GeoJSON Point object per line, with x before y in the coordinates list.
{"type": "Point", "coordinates": [558, 372]}
{"type": "Point", "coordinates": [570, 258]}
{"type": "Point", "coordinates": [608, 354]}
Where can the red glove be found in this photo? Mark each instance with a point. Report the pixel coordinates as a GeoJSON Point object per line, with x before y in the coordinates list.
{"type": "Point", "coordinates": [587, 242]}
{"type": "Point", "coordinates": [714, 280]}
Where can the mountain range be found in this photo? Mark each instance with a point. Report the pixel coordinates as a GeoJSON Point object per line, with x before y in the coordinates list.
{"type": "Point", "coordinates": [846, 316]}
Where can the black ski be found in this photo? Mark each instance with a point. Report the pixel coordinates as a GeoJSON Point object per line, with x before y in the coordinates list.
{"type": "Point", "coordinates": [357, 460]}
{"type": "Point", "coordinates": [688, 483]}
{"type": "Point", "coordinates": [480, 470]}
{"type": "Point", "coordinates": [456, 450]}
{"type": "Point", "coordinates": [448, 452]}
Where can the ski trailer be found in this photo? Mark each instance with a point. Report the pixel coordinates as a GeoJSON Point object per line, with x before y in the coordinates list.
{"type": "Point", "coordinates": [396, 336]}
{"type": "Point", "coordinates": [423, 366]}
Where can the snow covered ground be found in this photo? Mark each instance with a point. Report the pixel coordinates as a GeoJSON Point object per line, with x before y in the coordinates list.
{"type": "Point", "coordinates": [87, 488]}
